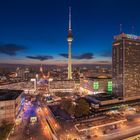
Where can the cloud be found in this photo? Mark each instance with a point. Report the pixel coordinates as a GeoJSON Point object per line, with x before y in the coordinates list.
{"type": "Point", "coordinates": [107, 54]}
{"type": "Point", "coordinates": [11, 49]}
{"type": "Point", "coordinates": [49, 39]}
{"type": "Point", "coordinates": [82, 56]}
{"type": "Point", "coordinates": [64, 55]}
{"type": "Point", "coordinates": [40, 57]}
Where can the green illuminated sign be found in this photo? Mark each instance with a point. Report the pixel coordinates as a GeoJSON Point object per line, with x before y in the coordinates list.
{"type": "Point", "coordinates": [96, 85]}
{"type": "Point", "coordinates": [109, 86]}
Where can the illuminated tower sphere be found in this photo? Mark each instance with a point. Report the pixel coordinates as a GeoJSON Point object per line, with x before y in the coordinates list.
{"type": "Point", "coordinates": [69, 39]}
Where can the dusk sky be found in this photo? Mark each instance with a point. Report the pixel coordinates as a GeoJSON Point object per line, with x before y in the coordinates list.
{"type": "Point", "coordinates": [35, 31]}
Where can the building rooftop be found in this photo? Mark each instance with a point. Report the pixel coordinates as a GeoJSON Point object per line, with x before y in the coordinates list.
{"type": "Point", "coordinates": [99, 78]}
{"type": "Point", "coordinates": [127, 36]}
{"type": "Point", "coordinates": [104, 96]}
{"type": "Point", "coordinates": [6, 94]}
{"type": "Point", "coordinates": [100, 97]}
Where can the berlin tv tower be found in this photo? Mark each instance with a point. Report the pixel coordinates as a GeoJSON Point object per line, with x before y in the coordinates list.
{"type": "Point", "coordinates": [69, 39]}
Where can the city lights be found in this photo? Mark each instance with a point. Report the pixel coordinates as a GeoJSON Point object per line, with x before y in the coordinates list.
{"type": "Point", "coordinates": [56, 86]}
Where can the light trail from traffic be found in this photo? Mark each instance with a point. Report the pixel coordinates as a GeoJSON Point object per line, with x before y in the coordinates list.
{"type": "Point", "coordinates": [45, 127]}
{"type": "Point", "coordinates": [51, 119]}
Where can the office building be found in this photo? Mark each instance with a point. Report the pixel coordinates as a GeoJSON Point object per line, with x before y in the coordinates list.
{"type": "Point", "coordinates": [11, 102]}
{"type": "Point", "coordinates": [126, 66]}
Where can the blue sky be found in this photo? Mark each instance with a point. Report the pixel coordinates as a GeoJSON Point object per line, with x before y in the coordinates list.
{"type": "Point", "coordinates": [34, 29]}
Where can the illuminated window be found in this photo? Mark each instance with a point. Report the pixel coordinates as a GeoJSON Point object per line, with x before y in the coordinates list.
{"type": "Point", "coordinates": [116, 44]}
{"type": "Point", "coordinates": [96, 85]}
{"type": "Point", "coordinates": [109, 86]}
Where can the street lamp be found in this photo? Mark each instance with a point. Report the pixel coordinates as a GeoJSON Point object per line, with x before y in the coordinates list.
{"type": "Point", "coordinates": [35, 83]}
{"type": "Point", "coordinates": [50, 80]}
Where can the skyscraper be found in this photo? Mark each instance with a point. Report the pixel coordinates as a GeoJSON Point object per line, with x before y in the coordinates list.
{"type": "Point", "coordinates": [126, 66]}
{"type": "Point", "coordinates": [69, 39]}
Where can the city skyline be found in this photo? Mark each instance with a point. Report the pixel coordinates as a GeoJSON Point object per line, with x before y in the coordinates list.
{"type": "Point", "coordinates": [69, 70]}
{"type": "Point", "coordinates": [33, 33]}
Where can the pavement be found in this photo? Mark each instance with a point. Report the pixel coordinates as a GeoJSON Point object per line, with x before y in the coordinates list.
{"type": "Point", "coordinates": [127, 130]}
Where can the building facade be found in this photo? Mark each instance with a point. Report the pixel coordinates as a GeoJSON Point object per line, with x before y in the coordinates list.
{"type": "Point", "coordinates": [96, 85]}
{"type": "Point", "coordinates": [126, 66]}
{"type": "Point", "coordinates": [11, 102]}
{"type": "Point", "coordinates": [62, 86]}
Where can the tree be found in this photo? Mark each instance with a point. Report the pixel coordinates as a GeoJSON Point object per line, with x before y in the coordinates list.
{"type": "Point", "coordinates": [82, 108]}
{"type": "Point", "coordinates": [71, 110]}
{"type": "Point", "coordinates": [66, 104]}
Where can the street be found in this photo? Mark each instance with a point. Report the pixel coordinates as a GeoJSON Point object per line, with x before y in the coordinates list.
{"type": "Point", "coordinates": [26, 129]}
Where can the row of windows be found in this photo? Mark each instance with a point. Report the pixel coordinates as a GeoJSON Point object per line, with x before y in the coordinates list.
{"type": "Point", "coordinates": [109, 86]}
{"type": "Point", "coordinates": [6, 107]}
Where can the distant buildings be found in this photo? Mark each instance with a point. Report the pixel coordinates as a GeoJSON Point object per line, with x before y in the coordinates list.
{"type": "Point", "coordinates": [62, 86]}
{"type": "Point", "coordinates": [126, 66]}
{"type": "Point", "coordinates": [96, 72]}
{"type": "Point", "coordinates": [22, 73]}
{"type": "Point", "coordinates": [2, 78]}
{"type": "Point", "coordinates": [11, 102]}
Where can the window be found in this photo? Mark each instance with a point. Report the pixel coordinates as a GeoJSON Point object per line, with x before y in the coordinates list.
{"type": "Point", "coordinates": [96, 85]}
{"type": "Point", "coordinates": [1, 108]}
{"type": "Point", "coordinates": [9, 107]}
{"type": "Point", "coordinates": [109, 86]}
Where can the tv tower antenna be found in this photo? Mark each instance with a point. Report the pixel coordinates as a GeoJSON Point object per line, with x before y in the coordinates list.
{"type": "Point", "coordinates": [120, 28]}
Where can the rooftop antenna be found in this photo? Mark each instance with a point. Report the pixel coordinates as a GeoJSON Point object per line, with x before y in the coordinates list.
{"type": "Point", "coordinates": [69, 18]}
{"type": "Point", "coordinates": [120, 28]}
{"type": "Point", "coordinates": [133, 29]}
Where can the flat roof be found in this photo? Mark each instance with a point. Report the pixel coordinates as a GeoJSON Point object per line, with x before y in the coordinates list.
{"type": "Point", "coordinates": [6, 94]}
{"type": "Point", "coordinates": [103, 96]}
{"type": "Point", "coordinates": [65, 80]}
{"type": "Point", "coordinates": [127, 36]}
{"type": "Point", "coordinates": [100, 78]}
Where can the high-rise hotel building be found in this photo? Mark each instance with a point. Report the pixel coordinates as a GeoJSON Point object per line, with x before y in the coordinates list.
{"type": "Point", "coordinates": [126, 66]}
